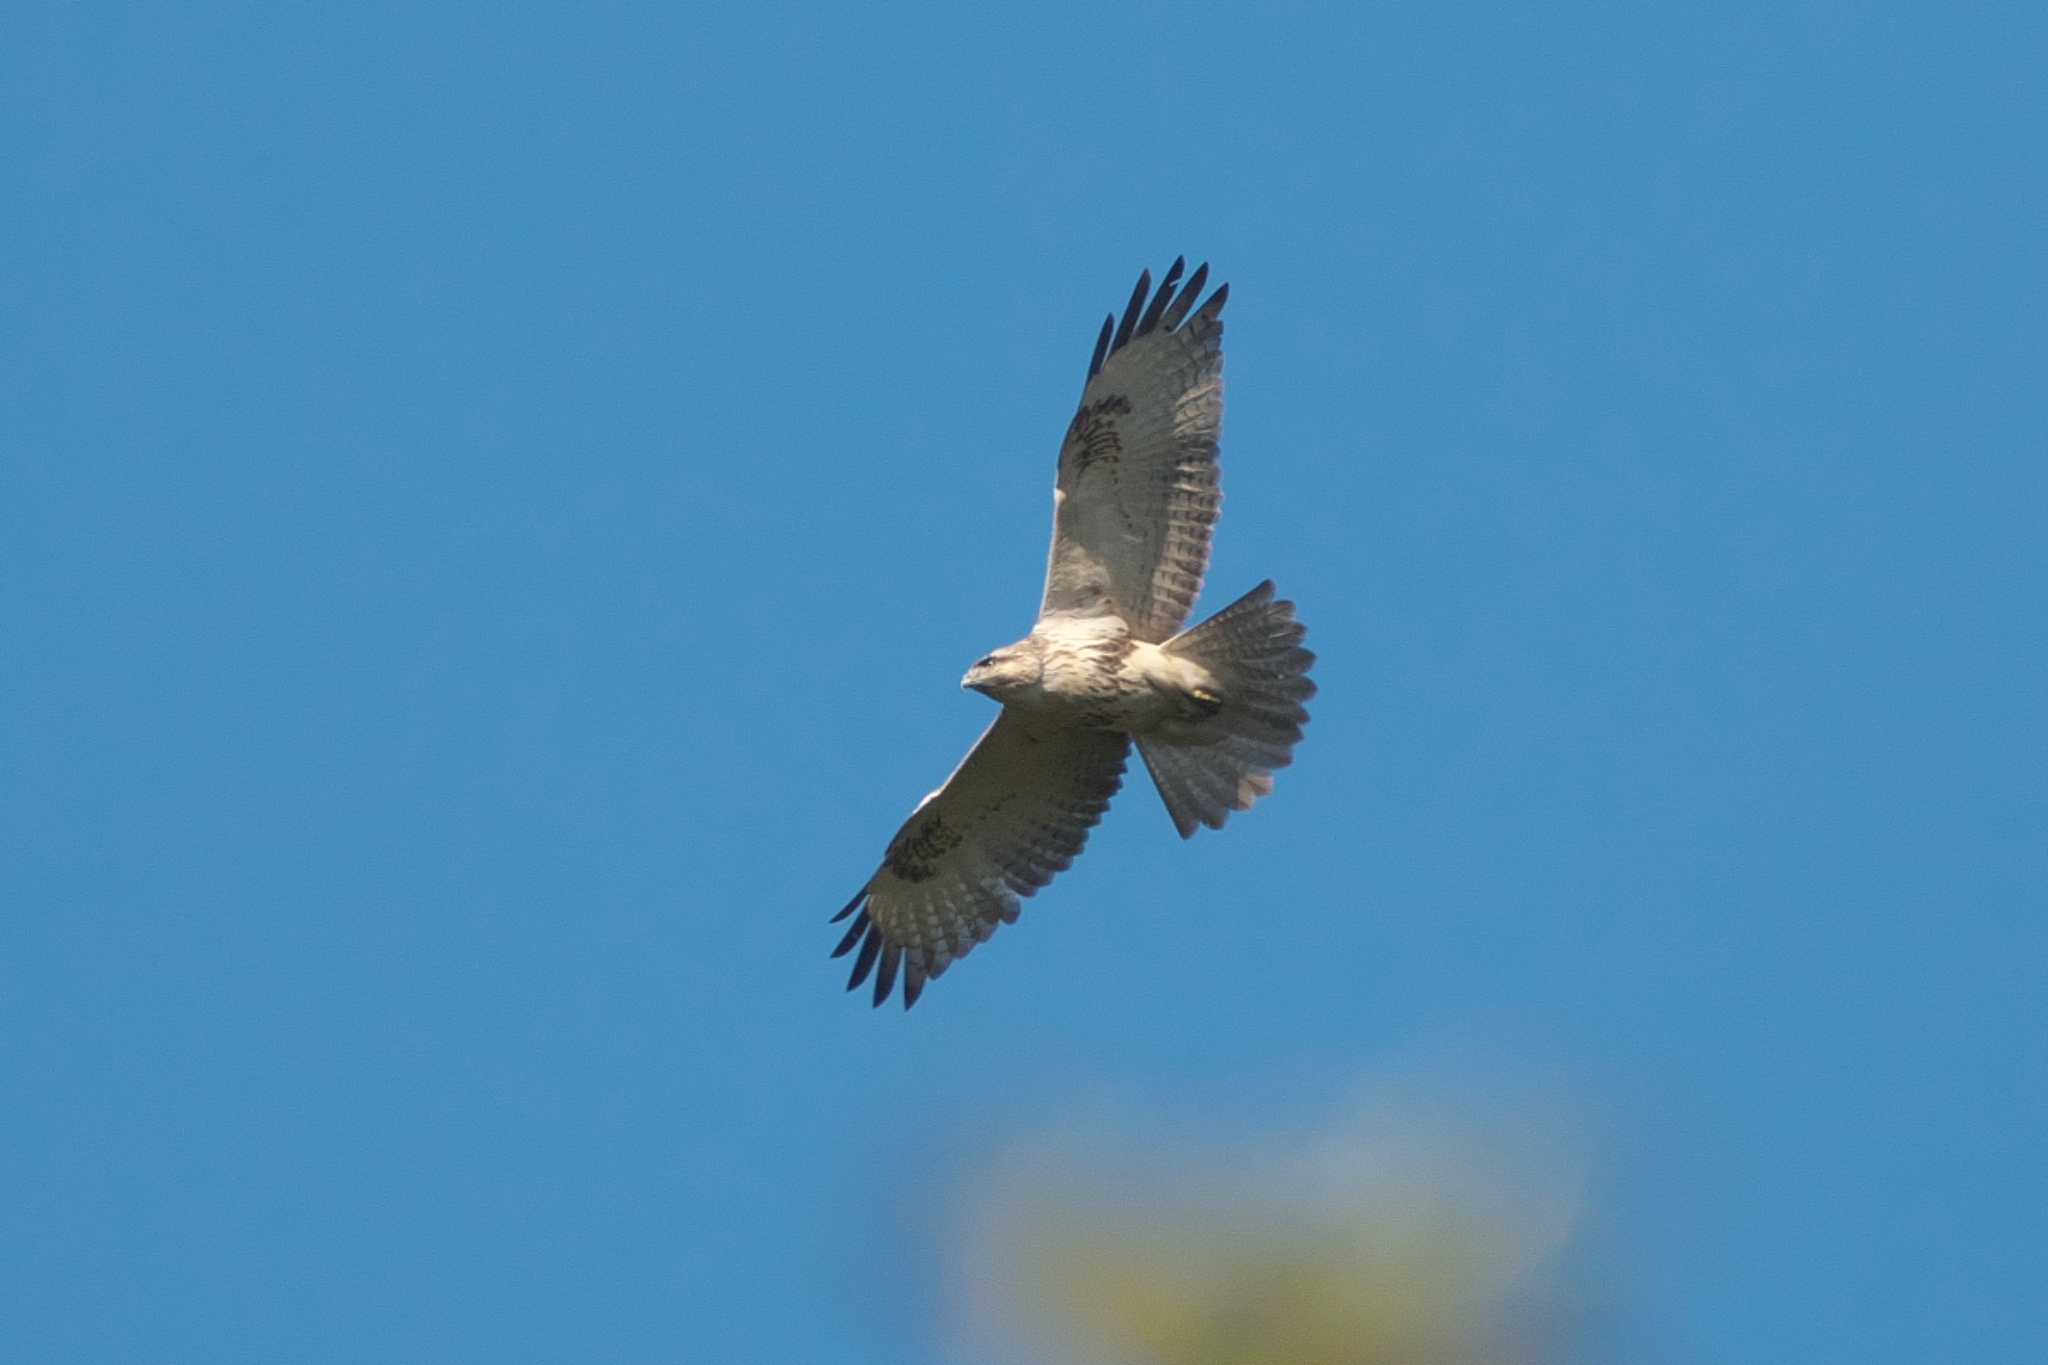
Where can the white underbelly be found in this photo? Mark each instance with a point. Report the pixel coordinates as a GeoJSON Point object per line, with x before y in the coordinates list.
{"type": "Point", "coordinates": [1136, 693]}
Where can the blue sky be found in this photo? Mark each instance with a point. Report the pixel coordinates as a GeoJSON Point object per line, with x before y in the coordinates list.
{"type": "Point", "coordinates": [494, 508]}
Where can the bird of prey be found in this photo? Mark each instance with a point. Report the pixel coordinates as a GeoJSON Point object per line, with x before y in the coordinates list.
{"type": "Point", "coordinates": [1213, 709]}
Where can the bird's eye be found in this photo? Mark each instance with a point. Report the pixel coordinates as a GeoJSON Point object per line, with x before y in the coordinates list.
{"type": "Point", "coordinates": [986, 661]}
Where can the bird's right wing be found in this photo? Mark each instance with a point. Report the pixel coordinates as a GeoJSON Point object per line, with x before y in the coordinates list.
{"type": "Point", "coordinates": [1014, 813]}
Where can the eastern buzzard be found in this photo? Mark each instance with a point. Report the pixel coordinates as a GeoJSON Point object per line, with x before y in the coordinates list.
{"type": "Point", "coordinates": [1214, 709]}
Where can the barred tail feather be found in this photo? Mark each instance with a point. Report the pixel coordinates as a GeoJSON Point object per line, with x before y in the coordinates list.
{"type": "Point", "coordinates": [1253, 649]}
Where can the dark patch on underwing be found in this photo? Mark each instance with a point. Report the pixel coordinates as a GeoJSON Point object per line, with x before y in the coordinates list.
{"type": "Point", "coordinates": [915, 853]}
{"type": "Point", "coordinates": [1092, 435]}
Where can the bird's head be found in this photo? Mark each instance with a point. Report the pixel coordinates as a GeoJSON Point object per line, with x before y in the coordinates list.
{"type": "Point", "coordinates": [1003, 675]}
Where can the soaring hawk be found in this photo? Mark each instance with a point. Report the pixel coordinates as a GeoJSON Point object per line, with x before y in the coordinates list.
{"type": "Point", "coordinates": [1214, 709]}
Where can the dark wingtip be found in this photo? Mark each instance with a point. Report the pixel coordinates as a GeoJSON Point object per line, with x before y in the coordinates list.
{"type": "Point", "coordinates": [870, 947]}
{"type": "Point", "coordinates": [885, 979]}
{"type": "Point", "coordinates": [1101, 346]}
{"type": "Point", "coordinates": [913, 981]}
{"type": "Point", "coordinates": [1165, 311]}
{"type": "Point", "coordinates": [1131, 310]}
{"type": "Point", "coordinates": [1163, 297]}
{"type": "Point", "coordinates": [851, 906]}
{"type": "Point", "coordinates": [1178, 309]}
{"type": "Point", "coordinates": [860, 926]}
{"type": "Point", "coordinates": [1214, 306]}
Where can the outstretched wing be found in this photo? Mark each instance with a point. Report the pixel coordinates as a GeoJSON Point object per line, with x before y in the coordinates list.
{"type": "Point", "coordinates": [1014, 813]}
{"type": "Point", "coordinates": [1138, 487]}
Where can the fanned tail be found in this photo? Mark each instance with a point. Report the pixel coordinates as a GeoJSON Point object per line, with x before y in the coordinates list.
{"type": "Point", "coordinates": [1253, 649]}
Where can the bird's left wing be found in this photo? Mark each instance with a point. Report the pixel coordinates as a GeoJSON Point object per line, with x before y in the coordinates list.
{"type": "Point", "coordinates": [1139, 488]}
{"type": "Point", "coordinates": [1014, 813]}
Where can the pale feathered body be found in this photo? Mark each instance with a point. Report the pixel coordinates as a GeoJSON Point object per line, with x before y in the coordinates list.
{"type": "Point", "coordinates": [1088, 671]}
{"type": "Point", "coordinates": [1214, 710]}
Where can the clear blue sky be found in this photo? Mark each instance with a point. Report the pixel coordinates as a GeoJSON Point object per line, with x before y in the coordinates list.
{"type": "Point", "coordinates": [494, 509]}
